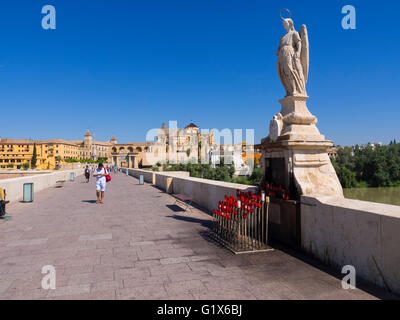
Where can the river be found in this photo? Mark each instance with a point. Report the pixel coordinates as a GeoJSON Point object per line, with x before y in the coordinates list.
{"type": "Point", "coordinates": [380, 195]}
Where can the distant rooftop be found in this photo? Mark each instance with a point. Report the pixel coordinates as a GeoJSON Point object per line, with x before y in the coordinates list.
{"type": "Point", "coordinates": [191, 125]}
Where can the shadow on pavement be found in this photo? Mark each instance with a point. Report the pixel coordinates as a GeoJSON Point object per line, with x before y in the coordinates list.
{"type": "Point", "coordinates": [89, 201]}
{"type": "Point", "coordinates": [175, 208]}
{"type": "Point", "coordinates": [204, 223]}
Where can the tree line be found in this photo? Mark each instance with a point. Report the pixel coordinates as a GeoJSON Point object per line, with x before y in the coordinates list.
{"type": "Point", "coordinates": [220, 172]}
{"type": "Point", "coordinates": [368, 166]}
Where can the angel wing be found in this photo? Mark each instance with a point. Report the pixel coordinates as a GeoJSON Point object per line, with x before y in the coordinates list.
{"type": "Point", "coordinates": [305, 49]}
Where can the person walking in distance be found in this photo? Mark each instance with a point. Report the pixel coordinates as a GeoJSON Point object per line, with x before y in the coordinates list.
{"type": "Point", "coordinates": [100, 174]}
{"type": "Point", "coordinates": [87, 174]}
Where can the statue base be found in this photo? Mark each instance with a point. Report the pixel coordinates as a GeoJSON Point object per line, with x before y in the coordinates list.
{"type": "Point", "coordinates": [298, 123]}
{"type": "Point", "coordinates": [298, 158]}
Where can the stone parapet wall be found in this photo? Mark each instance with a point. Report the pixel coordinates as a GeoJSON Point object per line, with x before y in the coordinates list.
{"type": "Point", "coordinates": [363, 234]}
{"type": "Point", "coordinates": [14, 186]}
{"type": "Point", "coordinates": [206, 193]}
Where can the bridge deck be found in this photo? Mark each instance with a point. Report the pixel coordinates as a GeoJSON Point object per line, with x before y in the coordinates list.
{"type": "Point", "coordinates": [135, 246]}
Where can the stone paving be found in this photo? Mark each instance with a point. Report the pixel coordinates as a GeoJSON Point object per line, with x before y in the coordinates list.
{"type": "Point", "coordinates": [137, 246]}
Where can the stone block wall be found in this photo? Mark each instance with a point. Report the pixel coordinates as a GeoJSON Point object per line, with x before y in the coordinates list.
{"type": "Point", "coordinates": [363, 234]}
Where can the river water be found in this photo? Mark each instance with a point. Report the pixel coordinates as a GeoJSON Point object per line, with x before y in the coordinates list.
{"type": "Point", "coordinates": [380, 195]}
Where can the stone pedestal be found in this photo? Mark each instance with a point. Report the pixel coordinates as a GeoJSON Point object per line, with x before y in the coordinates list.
{"type": "Point", "coordinates": [300, 151]}
{"type": "Point", "coordinates": [298, 123]}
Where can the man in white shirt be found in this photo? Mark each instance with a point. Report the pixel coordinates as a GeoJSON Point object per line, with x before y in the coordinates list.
{"type": "Point", "coordinates": [100, 174]}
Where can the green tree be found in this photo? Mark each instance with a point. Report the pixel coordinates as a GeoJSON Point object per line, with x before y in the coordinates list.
{"type": "Point", "coordinates": [34, 157]}
{"type": "Point", "coordinates": [373, 166]}
{"type": "Point", "coordinates": [346, 177]}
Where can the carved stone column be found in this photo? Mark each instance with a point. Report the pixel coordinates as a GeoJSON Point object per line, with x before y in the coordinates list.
{"type": "Point", "coordinates": [135, 162]}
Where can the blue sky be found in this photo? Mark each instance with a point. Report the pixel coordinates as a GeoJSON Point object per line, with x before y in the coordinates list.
{"type": "Point", "coordinates": [122, 67]}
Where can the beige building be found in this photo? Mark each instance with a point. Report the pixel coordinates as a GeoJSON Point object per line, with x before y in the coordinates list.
{"type": "Point", "coordinates": [332, 152]}
{"type": "Point", "coordinates": [17, 153]}
{"type": "Point", "coordinates": [131, 155]}
{"type": "Point", "coordinates": [171, 145]}
{"type": "Point", "coordinates": [177, 145]}
{"type": "Point", "coordinates": [91, 149]}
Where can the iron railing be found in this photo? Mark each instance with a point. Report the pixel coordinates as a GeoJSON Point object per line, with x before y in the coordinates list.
{"type": "Point", "coordinates": [242, 227]}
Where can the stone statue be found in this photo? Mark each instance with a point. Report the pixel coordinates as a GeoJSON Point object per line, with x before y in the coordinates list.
{"type": "Point", "coordinates": [293, 133]}
{"type": "Point", "coordinates": [275, 127]}
{"type": "Point", "coordinates": [293, 59]}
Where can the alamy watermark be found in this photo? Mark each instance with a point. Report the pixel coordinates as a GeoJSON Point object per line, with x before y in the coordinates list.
{"type": "Point", "coordinates": [174, 145]}
{"type": "Point", "coordinates": [349, 20]}
{"type": "Point", "coordinates": [49, 280]}
{"type": "Point", "coordinates": [49, 20]}
{"type": "Point", "coordinates": [349, 280]}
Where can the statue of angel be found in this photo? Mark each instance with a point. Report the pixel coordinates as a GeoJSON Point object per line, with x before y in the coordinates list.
{"type": "Point", "coordinates": [293, 59]}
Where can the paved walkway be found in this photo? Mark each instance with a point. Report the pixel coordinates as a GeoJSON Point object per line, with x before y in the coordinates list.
{"type": "Point", "coordinates": [136, 247]}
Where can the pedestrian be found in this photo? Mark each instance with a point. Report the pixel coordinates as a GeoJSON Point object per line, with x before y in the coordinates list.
{"type": "Point", "coordinates": [100, 174]}
{"type": "Point", "coordinates": [87, 174]}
